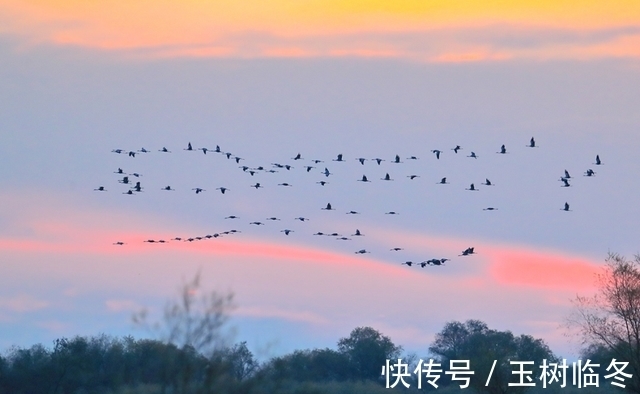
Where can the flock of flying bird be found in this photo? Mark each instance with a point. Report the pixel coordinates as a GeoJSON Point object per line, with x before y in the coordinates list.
{"type": "Point", "coordinates": [131, 181]}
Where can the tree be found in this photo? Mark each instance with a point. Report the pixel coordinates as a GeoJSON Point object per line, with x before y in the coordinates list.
{"type": "Point", "coordinates": [192, 321]}
{"type": "Point", "coordinates": [611, 318]}
{"type": "Point", "coordinates": [367, 351]}
{"type": "Point", "coordinates": [476, 342]}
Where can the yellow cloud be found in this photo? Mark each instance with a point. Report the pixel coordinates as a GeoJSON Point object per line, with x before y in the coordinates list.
{"type": "Point", "coordinates": [295, 28]}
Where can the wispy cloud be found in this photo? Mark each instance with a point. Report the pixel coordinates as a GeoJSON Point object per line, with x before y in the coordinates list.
{"type": "Point", "coordinates": [437, 31]}
{"type": "Point", "coordinates": [22, 303]}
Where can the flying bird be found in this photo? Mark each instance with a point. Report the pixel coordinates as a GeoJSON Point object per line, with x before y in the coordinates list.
{"type": "Point", "coordinates": [198, 190]}
{"type": "Point", "coordinates": [412, 177]}
{"type": "Point", "coordinates": [566, 207]}
{"type": "Point", "coordinates": [362, 251]}
{"type": "Point", "coordinates": [378, 160]}
{"type": "Point", "coordinates": [387, 178]}
{"type": "Point", "coordinates": [437, 152]}
{"type": "Point", "coordinates": [598, 162]}
{"type": "Point", "coordinates": [532, 143]}
{"type": "Point", "coordinates": [472, 188]}
{"type": "Point", "coordinates": [286, 231]}
{"type": "Point", "coordinates": [189, 147]}
{"type": "Point", "coordinates": [168, 188]}
{"type": "Point", "coordinates": [473, 154]}
{"type": "Point", "coordinates": [503, 149]}
{"type": "Point", "coordinates": [456, 149]}
{"type": "Point", "coordinates": [357, 234]}
{"type": "Point", "coordinates": [222, 189]}
{"type": "Point", "coordinates": [322, 183]}
{"type": "Point", "coordinates": [397, 159]}
{"type": "Point", "coordinates": [487, 182]}
{"type": "Point", "coordinates": [100, 189]}
{"type": "Point", "coordinates": [328, 207]}
{"type": "Point", "coordinates": [589, 172]}
{"type": "Point", "coordinates": [339, 158]}
{"type": "Point", "coordinates": [364, 179]}
{"type": "Point", "coordinates": [361, 160]}
{"type": "Point", "coordinates": [165, 150]}
{"type": "Point", "coordinates": [443, 181]}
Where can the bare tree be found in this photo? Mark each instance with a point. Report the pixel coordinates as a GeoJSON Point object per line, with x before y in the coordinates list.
{"type": "Point", "coordinates": [195, 319]}
{"type": "Point", "coordinates": [611, 317]}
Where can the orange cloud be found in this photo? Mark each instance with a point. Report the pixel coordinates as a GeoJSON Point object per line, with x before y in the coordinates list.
{"type": "Point", "coordinates": [542, 270]}
{"type": "Point", "coordinates": [327, 28]}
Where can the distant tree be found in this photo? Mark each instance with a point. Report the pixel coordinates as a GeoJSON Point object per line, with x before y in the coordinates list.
{"type": "Point", "coordinates": [367, 351]}
{"type": "Point", "coordinates": [610, 320]}
{"type": "Point", "coordinates": [239, 361]}
{"type": "Point", "coordinates": [476, 342]}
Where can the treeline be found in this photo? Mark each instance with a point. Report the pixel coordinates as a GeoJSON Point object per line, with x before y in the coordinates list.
{"type": "Point", "coordinates": [107, 365]}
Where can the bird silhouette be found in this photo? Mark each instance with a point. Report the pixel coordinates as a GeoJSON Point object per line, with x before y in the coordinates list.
{"type": "Point", "coordinates": [407, 263]}
{"type": "Point", "coordinates": [353, 213]}
{"type": "Point", "coordinates": [472, 188]}
{"type": "Point", "coordinates": [361, 160]}
{"type": "Point", "coordinates": [286, 231]}
{"type": "Point", "coordinates": [487, 182]}
{"type": "Point", "coordinates": [164, 150]}
{"type": "Point", "coordinates": [532, 143]}
{"type": "Point", "coordinates": [257, 185]}
{"type": "Point", "coordinates": [503, 150]}
{"type": "Point", "coordinates": [357, 234]}
{"type": "Point", "coordinates": [339, 158]}
{"type": "Point", "coordinates": [328, 208]}
{"type": "Point", "coordinates": [198, 190]}
{"type": "Point", "coordinates": [589, 172]}
{"type": "Point", "coordinates": [119, 243]}
{"type": "Point", "coordinates": [378, 160]}
{"type": "Point", "coordinates": [397, 159]}
{"type": "Point", "coordinates": [362, 251]}
{"type": "Point", "coordinates": [412, 177]}
{"type": "Point", "coordinates": [322, 183]}
{"type": "Point", "coordinates": [189, 147]}
{"type": "Point", "coordinates": [565, 182]}
{"type": "Point", "coordinates": [490, 209]}
{"type": "Point", "coordinates": [168, 188]}
{"type": "Point", "coordinates": [391, 213]}
{"type": "Point", "coordinates": [326, 172]}
{"type": "Point", "coordinates": [473, 154]}
{"type": "Point", "coordinates": [223, 190]}
{"type": "Point", "coordinates": [302, 219]}
{"type": "Point", "coordinates": [566, 174]}
{"type": "Point", "coordinates": [443, 181]}
{"type": "Point", "coordinates": [566, 207]}
{"type": "Point", "coordinates": [364, 179]}
{"type": "Point", "coordinates": [456, 149]}
{"type": "Point", "coordinates": [437, 152]}
{"type": "Point", "coordinates": [100, 189]}
{"type": "Point", "coordinates": [232, 217]}
{"type": "Point", "coordinates": [598, 162]}
{"type": "Point", "coordinates": [298, 157]}
{"type": "Point", "coordinates": [396, 249]}
{"type": "Point", "coordinates": [386, 177]}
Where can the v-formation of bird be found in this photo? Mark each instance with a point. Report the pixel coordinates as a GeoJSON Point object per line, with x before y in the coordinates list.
{"type": "Point", "coordinates": [137, 188]}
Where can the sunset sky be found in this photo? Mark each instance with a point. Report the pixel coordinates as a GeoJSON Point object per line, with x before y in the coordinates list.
{"type": "Point", "coordinates": [266, 80]}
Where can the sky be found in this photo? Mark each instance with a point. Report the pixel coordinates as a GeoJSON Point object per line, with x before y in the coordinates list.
{"type": "Point", "coordinates": [273, 79]}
